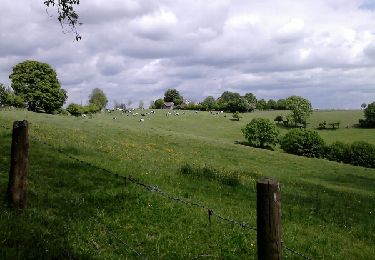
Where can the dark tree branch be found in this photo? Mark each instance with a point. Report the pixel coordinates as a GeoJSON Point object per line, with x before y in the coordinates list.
{"type": "Point", "coordinates": [66, 14]}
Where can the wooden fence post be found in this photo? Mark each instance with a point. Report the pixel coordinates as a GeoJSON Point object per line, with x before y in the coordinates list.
{"type": "Point", "coordinates": [268, 219]}
{"type": "Point", "coordinates": [19, 165]}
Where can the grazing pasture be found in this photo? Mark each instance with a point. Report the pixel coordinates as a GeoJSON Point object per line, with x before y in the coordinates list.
{"type": "Point", "coordinates": [79, 211]}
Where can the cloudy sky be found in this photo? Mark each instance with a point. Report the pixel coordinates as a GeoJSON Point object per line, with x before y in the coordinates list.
{"type": "Point", "coordinates": [134, 50]}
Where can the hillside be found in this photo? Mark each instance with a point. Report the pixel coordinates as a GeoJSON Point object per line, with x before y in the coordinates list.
{"type": "Point", "coordinates": [76, 210]}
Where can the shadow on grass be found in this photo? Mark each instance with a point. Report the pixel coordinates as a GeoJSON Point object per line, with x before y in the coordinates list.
{"type": "Point", "coordinates": [245, 143]}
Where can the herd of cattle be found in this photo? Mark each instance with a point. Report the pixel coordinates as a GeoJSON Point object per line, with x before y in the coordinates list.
{"type": "Point", "coordinates": [132, 112]}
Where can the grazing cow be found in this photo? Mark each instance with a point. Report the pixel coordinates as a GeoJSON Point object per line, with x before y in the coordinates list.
{"type": "Point", "coordinates": [176, 114]}
{"type": "Point", "coordinates": [141, 120]}
{"type": "Point", "coordinates": [114, 118]}
{"type": "Point", "coordinates": [83, 115]}
{"type": "Point", "coordinates": [152, 112]}
{"type": "Point", "coordinates": [168, 114]}
{"type": "Point", "coordinates": [143, 114]}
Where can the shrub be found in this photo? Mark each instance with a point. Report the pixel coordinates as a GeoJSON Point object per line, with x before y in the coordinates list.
{"type": "Point", "coordinates": [261, 132]}
{"type": "Point", "coordinates": [339, 152]}
{"type": "Point", "coordinates": [369, 113]}
{"type": "Point", "coordinates": [303, 142]}
{"type": "Point", "coordinates": [75, 109]}
{"type": "Point", "coordinates": [362, 154]}
{"type": "Point", "coordinates": [323, 125]}
{"type": "Point", "coordinates": [236, 116]}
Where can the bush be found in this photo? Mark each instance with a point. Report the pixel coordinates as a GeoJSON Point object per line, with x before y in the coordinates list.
{"type": "Point", "coordinates": [339, 152]}
{"type": "Point", "coordinates": [261, 132]}
{"type": "Point", "coordinates": [362, 154]}
{"type": "Point", "coordinates": [236, 116]}
{"type": "Point", "coordinates": [303, 142]}
{"type": "Point", "coordinates": [75, 109]}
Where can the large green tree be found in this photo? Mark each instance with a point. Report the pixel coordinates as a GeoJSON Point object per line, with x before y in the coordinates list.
{"type": "Point", "coordinates": [369, 113]}
{"type": "Point", "coordinates": [252, 100]}
{"type": "Point", "coordinates": [37, 84]}
{"type": "Point", "coordinates": [300, 108]}
{"type": "Point", "coordinates": [209, 103]}
{"type": "Point", "coordinates": [98, 98]}
{"type": "Point", "coordinates": [232, 102]}
{"type": "Point", "coordinates": [172, 95]}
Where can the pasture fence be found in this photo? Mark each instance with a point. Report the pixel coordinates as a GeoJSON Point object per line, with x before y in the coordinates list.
{"type": "Point", "coordinates": [269, 240]}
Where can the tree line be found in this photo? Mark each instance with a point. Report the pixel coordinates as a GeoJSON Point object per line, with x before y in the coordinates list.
{"type": "Point", "coordinates": [228, 101]}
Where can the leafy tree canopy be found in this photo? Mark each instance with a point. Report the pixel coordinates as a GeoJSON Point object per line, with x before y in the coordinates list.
{"type": "Point", "coordinates": [172, 95]}
{"type": "Point", "coordinates": [98, 98]}
{"type": "Point", "coordinates": [300, 108]}
{"type": "Point", "coordinates": [209, 103]}
{"type": "Point", "coordinates": [37, 84]}
{"type": "Point", "coordinates": [159, 103]}
{"type": "Point", "coordinates": [370, 114]}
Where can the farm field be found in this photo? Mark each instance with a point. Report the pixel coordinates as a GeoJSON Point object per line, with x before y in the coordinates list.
{"type": "Point", "coordinates": [81, 212]}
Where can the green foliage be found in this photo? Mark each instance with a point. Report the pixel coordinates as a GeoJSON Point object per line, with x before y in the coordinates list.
{"type": "Point", "coordinates": [339, 152]}
{"type": "Point", "coordinates": [90, 109]}
{"type": "Point", "coordinates": [159, 103]}
{"type": "Point", "coordinates": [369, 113]}
{"type": "Point", "coordinates": [261, 104]}
{"type": "Point", "coordinates": [261, 132]}
{"type": "Point", "coordinates": [209, 103]}
{"type": "Point", "coordinates": [232, 102]}
{"type": "Point", "coordinates": [304, 142]}
{"type": "Point", "coordinates": [37, 84]}
{"type": "Point", "coordinates": [362, 154]}
{"type": "Point", "coordinates": [300, 108]}
{"type": "Point", "coordinates": [271, 104]}
{"type": "Point", "coordinates": [236, 116]}
{"type": "Point", "coordinates": [98, 98]}
{"type": "Point", "coordinates": [172, 95]}
{"type": "Point", "coordinates": [75, 109]}
{"type": "Point", "coordinates": [252, 100]}
{"type": "Point", "coordinates": [281, 104]}
{"type": "Point", "coordinates": [8, 98]}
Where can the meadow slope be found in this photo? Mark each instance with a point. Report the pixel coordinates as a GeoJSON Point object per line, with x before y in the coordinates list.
{"type": "Point", "coordinates": [81, 212]}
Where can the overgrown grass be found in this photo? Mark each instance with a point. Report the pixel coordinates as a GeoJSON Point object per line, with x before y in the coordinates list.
{"type": "Point", "coordinates": [77, 211]}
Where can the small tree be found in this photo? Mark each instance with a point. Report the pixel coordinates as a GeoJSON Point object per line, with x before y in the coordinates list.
{"type": "Point", "coordinates": [261, 104]}
{"type": "Point", "coordinates": [300, 108]}
{"type": "Point", "coordinates": [369, 115]}
{"type": "Point", "coordinates": [261, 132]}
{"type": "Point", "coordinates": [98, 98]}
{"type": "Point", "coordinates": [159, 103]}
{"type": "Point", "coordinates": [209, 103]}
{"type": "Point", "coordinates": [172, 95]}
{"type": "Point", "coordinates": [236, 116]}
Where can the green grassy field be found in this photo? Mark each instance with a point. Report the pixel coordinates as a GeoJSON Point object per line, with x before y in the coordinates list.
{"type": "Point", "coordinates": [80, 212]}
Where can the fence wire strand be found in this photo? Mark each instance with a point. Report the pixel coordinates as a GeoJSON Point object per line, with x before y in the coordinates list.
{"type": "Point", "coordinates": [156, 189]}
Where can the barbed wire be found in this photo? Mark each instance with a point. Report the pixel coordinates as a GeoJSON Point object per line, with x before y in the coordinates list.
{"type": "Point", "coordinates": [295, 251]}
{"type": "Point", "coordinates": [155, 188]}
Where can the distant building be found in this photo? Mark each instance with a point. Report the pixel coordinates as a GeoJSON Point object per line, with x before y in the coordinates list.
{"type": "Point", "coordinates": [168, 105]}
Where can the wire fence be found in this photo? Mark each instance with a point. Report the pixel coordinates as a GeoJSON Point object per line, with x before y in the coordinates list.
{"type": "Point", "coordinates": [165, 194]}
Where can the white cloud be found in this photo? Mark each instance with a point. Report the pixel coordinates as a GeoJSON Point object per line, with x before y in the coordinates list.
{"type": "Point", "coordinates": [137, 49]}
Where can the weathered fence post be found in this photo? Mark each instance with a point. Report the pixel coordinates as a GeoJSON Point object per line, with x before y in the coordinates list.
{"type": "Point", "coordinates": [268, 219]}
{"type": "Point", "coordinates": [19, 165]}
